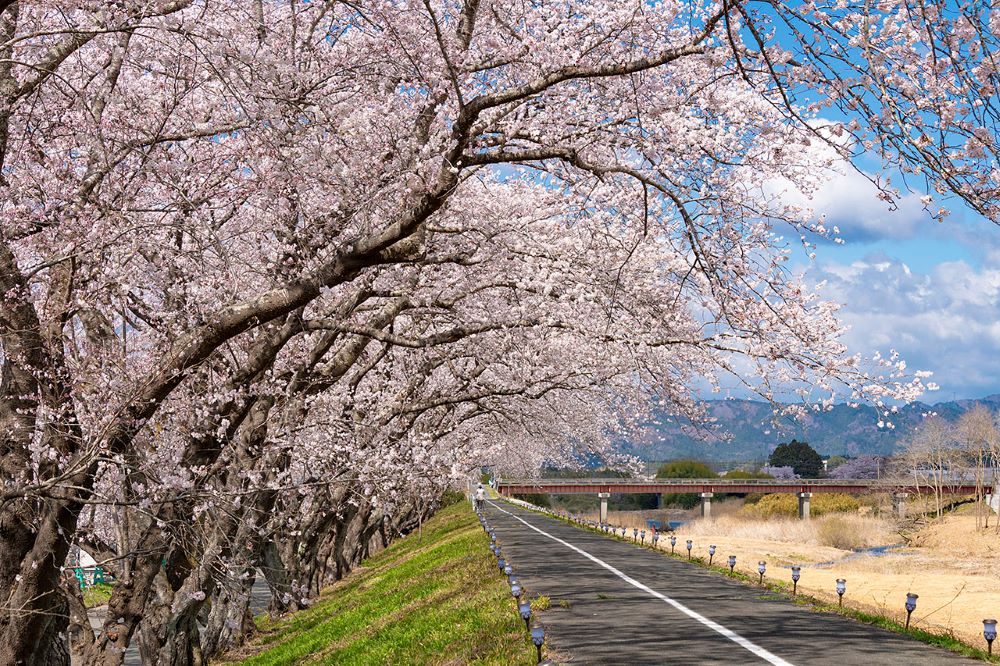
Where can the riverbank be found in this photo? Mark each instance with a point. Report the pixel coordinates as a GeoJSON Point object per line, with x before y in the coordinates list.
{"type": "Point", "coordinates": [434, 598]}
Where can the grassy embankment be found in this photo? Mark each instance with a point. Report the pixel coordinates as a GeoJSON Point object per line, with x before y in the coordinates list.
{"type": "Point", "coordinates": [436, 599]}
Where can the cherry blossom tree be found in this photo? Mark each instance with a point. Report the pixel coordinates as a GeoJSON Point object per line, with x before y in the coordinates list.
{"type": "Point", "coordinates": [862, 467]}
{"type": "Point", "coordinates": [272, 275]}
{"type": "Point", "coordinates": [785, 472]}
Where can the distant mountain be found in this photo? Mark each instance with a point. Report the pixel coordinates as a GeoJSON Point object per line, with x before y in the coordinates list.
{"type": "Point", "coordinates": [841, 431]}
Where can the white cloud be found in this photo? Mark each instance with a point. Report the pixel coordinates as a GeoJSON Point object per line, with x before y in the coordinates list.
{"type": "Point", "coordinates": [945, 320]}
{"type": "Point", "coordinates": [850, 201]}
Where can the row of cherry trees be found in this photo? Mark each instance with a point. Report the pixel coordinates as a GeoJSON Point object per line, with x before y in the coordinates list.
{"type": "Point", "coordinates": [274, 274]}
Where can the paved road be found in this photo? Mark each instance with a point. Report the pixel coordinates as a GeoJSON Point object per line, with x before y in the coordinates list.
{"type": "Point", "coordinates": [672, 612]}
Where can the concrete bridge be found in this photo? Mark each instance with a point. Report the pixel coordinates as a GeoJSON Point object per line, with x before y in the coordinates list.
{"type": "Point", "coordinates": [899, 489]}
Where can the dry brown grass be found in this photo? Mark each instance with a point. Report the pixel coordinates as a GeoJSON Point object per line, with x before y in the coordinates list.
{"type": "Point", "coordinates": [836, 531]}
{"type": "Point", "coordinates": [843, 531]}
{"type": "Point", "coordinates": [941, 535]}
{"type": "Point", "coordinates": [742, 527]}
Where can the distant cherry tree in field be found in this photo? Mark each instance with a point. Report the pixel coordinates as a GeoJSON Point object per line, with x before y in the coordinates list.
{"type": "Point", "coordinates": [862, 467]}
{"type": "Point", "coordinates": [782, 472]}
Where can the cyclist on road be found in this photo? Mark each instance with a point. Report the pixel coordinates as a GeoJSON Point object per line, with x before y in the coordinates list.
{"type": "Point", "coordinates": [480, 497]}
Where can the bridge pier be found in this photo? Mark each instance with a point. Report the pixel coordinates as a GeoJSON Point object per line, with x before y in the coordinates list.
{"type": "Point", "coordinates": [993, 499]}
{"type": "Point", "coordinates": [899, 504]}
{"type": "Point", "coordinates": [804, 499]}
{"type": "Point", "coordinates": [659, 500]}
{"type": "Point", "coordinates": [706, 505]}
{"type": "Point", "coordinates": [604, 507]}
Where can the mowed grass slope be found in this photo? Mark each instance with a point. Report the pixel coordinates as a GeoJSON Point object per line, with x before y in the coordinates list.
{"type": "Point", "coordinates": [435, 599]}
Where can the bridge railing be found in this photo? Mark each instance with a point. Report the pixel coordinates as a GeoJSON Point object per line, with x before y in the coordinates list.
{"type": "Point", "coordinates": [623, 485]}
{"type": "Point", "coordinates": [617, 481]}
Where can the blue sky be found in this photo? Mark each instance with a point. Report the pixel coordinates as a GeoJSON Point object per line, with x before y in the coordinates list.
{"type": "Point", "coordinates": [930, 290]}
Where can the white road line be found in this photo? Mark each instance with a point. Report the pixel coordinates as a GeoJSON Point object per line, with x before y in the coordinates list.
{"type": "Point", "coordinates": [714, 626]}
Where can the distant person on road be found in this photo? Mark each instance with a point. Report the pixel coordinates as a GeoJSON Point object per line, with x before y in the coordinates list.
{"type": "Point", "coordinates": [480, 497]}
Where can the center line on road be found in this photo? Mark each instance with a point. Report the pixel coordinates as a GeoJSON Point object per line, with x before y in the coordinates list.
{"type": "Point", "coordinates": [714, 626]}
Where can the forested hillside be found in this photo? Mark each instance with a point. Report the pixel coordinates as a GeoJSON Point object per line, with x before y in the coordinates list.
{"type": "Point", "coordinates": [753, 433]}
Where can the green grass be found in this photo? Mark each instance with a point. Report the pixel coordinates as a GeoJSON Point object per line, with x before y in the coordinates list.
{"type": "Point", "coordinates": [97, 595]}
{"type": "Point", "coordinates": [438, 599]}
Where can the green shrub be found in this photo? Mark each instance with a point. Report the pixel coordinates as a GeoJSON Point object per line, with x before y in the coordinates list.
{"type": "Point", "coordinates": [681, 500]}
{"type": "Point", "coordinates": [684, 469]}
{"type": "Point", "coordinates": [538, 499]}
{"type": "Point", "coordinates": [450, 497]}
{"type": "Point", "coordinates": [743, 474]}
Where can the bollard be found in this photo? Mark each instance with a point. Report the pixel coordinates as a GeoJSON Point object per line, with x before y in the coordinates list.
{"type": "Point", "coordinates": [538, 638]}
{"type": "Point", "coordinates": [911, 605]}
{"type": "Point", "coordinates": [524, 608]}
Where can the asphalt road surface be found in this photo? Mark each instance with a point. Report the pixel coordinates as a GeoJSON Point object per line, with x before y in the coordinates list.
{"type": "Point", "coordinates": [630, 605]}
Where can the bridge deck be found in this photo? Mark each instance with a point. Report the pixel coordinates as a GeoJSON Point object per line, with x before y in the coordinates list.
{"type": "Point", "coordinates": [578, 486]}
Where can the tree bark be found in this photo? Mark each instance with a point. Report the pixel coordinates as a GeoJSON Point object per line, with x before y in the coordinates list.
{"type": "Point", "coordinates": [230, 621]}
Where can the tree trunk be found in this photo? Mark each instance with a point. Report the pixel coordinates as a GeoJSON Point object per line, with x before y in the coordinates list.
{"type": "Point", "coordinates": [230, 621]}
{"type": "Point", "coordinates": [35, 633]}
{"type": "Point", "coordinates": [278, 580]}
{"type": "Point", "coordinates": [169, 633]}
